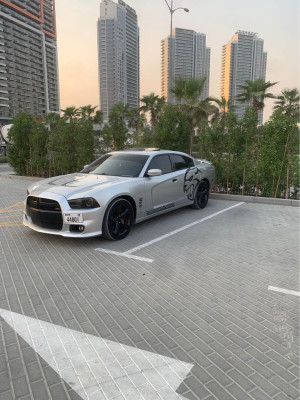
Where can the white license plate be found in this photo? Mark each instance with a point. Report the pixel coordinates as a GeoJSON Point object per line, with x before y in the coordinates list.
{"type": "Point", "coordinates": [73, 218]}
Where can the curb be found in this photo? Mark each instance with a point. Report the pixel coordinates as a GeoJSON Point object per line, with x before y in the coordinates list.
{"type": "Point", "coordinates": [27, 178]}
{"type": "Point", "coordinates": [257, 200]}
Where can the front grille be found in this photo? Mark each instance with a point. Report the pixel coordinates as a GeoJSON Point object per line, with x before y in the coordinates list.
{"type": "Point", "coordinates": [45, 213]}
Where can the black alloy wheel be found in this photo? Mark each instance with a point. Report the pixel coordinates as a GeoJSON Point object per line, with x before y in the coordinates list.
{"type": "Point", "coordinates": [201, 195]}
{"type": "Point", "coordinates": [118, 220]}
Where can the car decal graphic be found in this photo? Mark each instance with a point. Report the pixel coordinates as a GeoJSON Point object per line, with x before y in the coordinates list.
{"type": "Point", "coordinates": [162, 208]}
{"type": "Point", "coordinates": [191, 179]}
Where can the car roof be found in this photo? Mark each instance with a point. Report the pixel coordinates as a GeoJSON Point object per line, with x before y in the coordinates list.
{"type": "Point", "coordinates": [149, 151]}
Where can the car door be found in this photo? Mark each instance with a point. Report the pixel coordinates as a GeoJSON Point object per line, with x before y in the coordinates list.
{"type": "Point", "coordinates": [181, 165]}
{"type": "Point", "coordinates": [161, 191]}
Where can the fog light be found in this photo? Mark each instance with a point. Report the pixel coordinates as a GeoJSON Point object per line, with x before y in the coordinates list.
{"type": "Point", "coordinates": [76, 228]}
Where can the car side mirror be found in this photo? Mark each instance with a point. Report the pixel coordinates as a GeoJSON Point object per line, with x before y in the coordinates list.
{"type": "Point", "coordinates": [154, 172]}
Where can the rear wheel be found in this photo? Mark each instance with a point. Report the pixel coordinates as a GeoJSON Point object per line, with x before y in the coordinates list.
{"type": "Point", "coordinates": [118, 220]}
{"type": "Point", "coordinates": [201, 195]}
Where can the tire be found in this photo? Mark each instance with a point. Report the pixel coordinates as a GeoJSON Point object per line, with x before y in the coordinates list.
{"type": "Point", "coordinates": [201, 195]}
{"type": "Point", "coordinates": [118, 220]}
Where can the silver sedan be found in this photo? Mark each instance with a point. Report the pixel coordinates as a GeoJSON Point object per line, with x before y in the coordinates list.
{"type": "Point", "coordinates": [117, 190]}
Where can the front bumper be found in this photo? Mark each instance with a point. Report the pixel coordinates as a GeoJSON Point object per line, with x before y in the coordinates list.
{"type": "Point", "coordinates": [92, 219]}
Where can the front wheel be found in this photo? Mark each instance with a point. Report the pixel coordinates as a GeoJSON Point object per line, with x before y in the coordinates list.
{"type": "Point", "coordinates": [201, 195]}
{"type": "Point", "coordinates": [118, 220]}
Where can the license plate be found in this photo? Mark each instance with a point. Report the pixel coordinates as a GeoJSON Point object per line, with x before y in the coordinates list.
{"type": "Point", "coordinates": [72, 218]}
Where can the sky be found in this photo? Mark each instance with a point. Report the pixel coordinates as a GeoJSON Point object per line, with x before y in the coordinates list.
{"type": "Point", "coordinates": [275, 21]}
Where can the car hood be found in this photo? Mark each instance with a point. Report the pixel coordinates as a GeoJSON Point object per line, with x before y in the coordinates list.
{"type": "Point", "coordinates": [76, 184]}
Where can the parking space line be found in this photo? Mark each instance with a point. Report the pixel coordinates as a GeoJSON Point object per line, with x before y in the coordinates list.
{"type": "Point", "coordinates": [181, 229]}
{"type": "Point", "coordinates": [10, 224]}
{"type": "Point", "coordinates": [128, 252]}
{"type": "Point", "coordinates": [286, 291]}
{"type": "Point", "coordinates": [10, 216]}
{"type": "Point", "coordinates": [10, 208]}
{"type": "Point", "coordinates": [124, 255]}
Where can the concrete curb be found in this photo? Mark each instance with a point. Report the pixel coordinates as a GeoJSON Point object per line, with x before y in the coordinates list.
{"type": "Point", "coordinates": [27, 178]}
{"type": "Point", "coordinates": [253, 199]}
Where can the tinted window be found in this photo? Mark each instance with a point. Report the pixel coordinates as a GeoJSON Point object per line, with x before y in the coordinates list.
{"type": "Point", "coordinates": [161, 162]}
{"type": "Point", "coordinates": [117, 165]}
{"type": "Point", "coordinates": [181, 162]}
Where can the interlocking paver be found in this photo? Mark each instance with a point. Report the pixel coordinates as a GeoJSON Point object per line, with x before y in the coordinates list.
{"type": "Point", "coordinates": [203, 300]}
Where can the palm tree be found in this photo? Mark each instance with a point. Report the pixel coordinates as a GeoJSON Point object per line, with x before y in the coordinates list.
{"type": "Point", "coordinates": [289, 102]}
{"type": "Point", "coordinates": [51, 120]}
{"type": "Point", "coordinates": [86, 112]}
{"type": "Point", "coordinates": [133, 118]}
{"type": "Point", "coordinates": [188, 93]}
{"type": "Point", "coordinates": [255, 92]}
{"type": "Point", "coordinates": [223, 107]}
{"type": "Point", "coordinates": [152, 104]}
{"type": "Point", "coordinates": [119, 111]}
{"type": "Point", "coordinates": [70, 113]}
{"type": "Point", "coordinates": [98, 118]}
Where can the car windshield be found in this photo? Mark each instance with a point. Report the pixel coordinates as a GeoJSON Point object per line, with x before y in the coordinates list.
{"type": "Point", "coordinates": [117, 165]}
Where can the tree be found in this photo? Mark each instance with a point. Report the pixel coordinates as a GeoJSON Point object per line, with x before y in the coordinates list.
{"type": "Point", "coordinates": [279, 154]}
{"type": "Point", "coordinates": [70, 113]}
{"type": "Point", "coordinates": [172, 130]}
{"type": "Point", "coordinates": [98, 118]}
{"type": "Point", "coordinates": [188, 93]}
{"type": "Point", "coordinates": [255, 92]}
{"type": "Point", "coordinates": [154, 105]}
{"type": "Point", "coordinates": [62, 148]}
{"type": "Point", "coordinates": [20, 152]}
{"type": "Point", "coordinates": [84, 143]}
{"type": "Point", "coordinates": [223, 107]}
{"type": "Point", "coordinates": [86, 112]}
{"type": "Point", "coordinates": [106, 139]}
{"type": "Point", "coordinates": [117, 123]}
{"type": "Point", "coordinates": [51, 120]}
{"type": "Point", "coordinates": [289, 103]}
{"type": "Point", "coordinates": [39, 150]}
{"type": "Point", "coordinates": [134, 118]}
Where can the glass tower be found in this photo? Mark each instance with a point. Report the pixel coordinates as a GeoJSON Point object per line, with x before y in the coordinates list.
{"type": "Point", "coordinates": [243, 58]}
{"type": "Point", "coordinates": [189, 58]}
{"type": "Point", "coordinates": [118, 56]}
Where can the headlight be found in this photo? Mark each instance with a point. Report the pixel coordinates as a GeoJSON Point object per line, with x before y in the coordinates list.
{"type": "Point", "coordinates": [87, 202]}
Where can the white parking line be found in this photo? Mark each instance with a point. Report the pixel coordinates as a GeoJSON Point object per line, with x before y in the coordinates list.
{"type": "Point", "coordinates": [180, 229]}
{"type": "Point", "coordinates": [83, 360]}
{"type": "Point", "coordinates": [128, 252]}
{"type": "Point", "coordinates": [124, 255]}
{"type": "Point", "coordinates": [286, 291]}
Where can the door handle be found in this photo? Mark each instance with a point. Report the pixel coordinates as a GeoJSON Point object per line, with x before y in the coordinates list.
{"type": "Point", "coordinates": [174, 180]}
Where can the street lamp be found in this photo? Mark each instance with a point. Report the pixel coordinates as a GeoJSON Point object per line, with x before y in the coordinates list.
{"type": "Point", "coordinates": [172, 10]}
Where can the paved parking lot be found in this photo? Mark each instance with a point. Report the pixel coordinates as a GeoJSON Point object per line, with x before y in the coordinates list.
{"type": "Point", "coordinates": [167, 313]}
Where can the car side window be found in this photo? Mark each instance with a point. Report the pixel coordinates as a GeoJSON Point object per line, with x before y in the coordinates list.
{"type": "Point", "coordinates": [162, 162]}
{"type": "Point", "coordinates": [181, 162]}
{"type": "Point", "coordinates": [190, 162]}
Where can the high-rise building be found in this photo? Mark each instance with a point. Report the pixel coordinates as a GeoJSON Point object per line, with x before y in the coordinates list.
{"type": "Point", "coordinates": [184, 55]}
{"type": "Point", "coordinates": [243, 58]}
{"type": "Point", "coordinates": [118, 54]}
{"type": "Point", "coordinates": [28, 58]}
